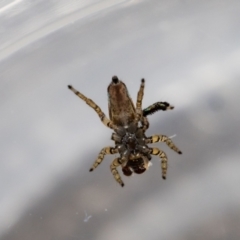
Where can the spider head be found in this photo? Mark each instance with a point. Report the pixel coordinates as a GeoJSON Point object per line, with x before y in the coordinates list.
{"type": "Point", "coordinates": [137, 165]}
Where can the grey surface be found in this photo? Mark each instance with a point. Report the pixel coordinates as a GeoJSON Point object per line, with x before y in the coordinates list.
{"type": "Point", "coordinates": [189, 54]}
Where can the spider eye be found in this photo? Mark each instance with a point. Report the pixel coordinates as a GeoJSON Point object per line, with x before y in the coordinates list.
{"type": "Point", "coordinates": [139, 170]}
{"type": "Point", "coordinates": [127, 171]}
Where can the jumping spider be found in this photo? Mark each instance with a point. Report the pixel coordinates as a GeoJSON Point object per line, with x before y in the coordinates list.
{"type": "Point", "coordinates": [129, 124]}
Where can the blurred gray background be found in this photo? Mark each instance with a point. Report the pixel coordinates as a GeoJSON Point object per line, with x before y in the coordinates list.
{"type": "Point", "coordinates": [189, 53]}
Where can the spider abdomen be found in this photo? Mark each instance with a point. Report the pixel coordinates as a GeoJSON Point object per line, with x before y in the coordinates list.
{"type": "Point", "coordinates": [121, 108]}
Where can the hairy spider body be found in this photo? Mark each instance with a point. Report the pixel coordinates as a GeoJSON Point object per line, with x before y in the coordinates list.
{"type": "Point", "coordinates": [129, 124]}
{"type": "Point", "coordinates": [120, 105]}
{"type": "Point", "coordinates": [130, 141]}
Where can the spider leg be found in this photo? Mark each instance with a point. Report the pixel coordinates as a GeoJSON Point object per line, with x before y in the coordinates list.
{"type": "Point", "coordinates": [156, 107]}
{"type": "Point", "coordinates": [95, 107]}
{"type": "Point", "coordinates": [101, 155]}
{"type": "Point", "coordinates": [116, 162]}
{"type": "Point", "coordinates": [163, 138]}
{"type": "Point", "coordinates": [163, 156]}
{"type": "Point", "coordinates": [145, 123]}
{"type": "Point", "coordinates": [139, 101]}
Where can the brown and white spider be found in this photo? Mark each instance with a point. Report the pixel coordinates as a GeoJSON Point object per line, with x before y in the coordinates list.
{"type": "Point", "coordinates": [129, 124]}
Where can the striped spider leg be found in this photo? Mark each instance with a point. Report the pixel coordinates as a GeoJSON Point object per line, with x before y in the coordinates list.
{"type": "Point", "coordinates": [105, 121]}
{"type": "Point", "coordinates": [95, 107]}
{"type": "Point", "coordinates": [160, 153]}
{"type": "Point", "coordinates": [156, 107]}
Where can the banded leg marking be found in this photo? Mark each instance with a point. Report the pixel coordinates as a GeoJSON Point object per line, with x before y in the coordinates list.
{"type": "Point", "coordinates": [95, 107]}
{"type": "Point", "coordinates": [164, 160]}
{"type": "Point", "coordinates": [101, 155]}
{"type": "Point", "coordinates": [156, 107]}
{"type": "Point", "coordinates": [139, 100]}
{"type": "Point", "coordinates": [145, 123]}
{"type": "Point", "coordinates": [116, 162]}
{"type": "Point", "coordinates": [163, 138]}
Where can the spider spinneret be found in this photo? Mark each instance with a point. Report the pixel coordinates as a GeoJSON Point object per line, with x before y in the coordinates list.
{"type": "Point", "coordinates": [129, 124]}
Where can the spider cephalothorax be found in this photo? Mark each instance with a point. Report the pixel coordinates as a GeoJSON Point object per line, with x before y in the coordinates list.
{"type": "Point", "coordinates": [130, 140]}
{"type": "Point", "coordinates": [131, 144]}
{"type": "Point", "coordinates": [129, 124]}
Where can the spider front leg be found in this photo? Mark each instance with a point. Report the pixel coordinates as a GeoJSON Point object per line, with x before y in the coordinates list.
{"type": "Point", "coordinates": [101, 155]}
{"type": "Point", "coordinates": [116, 162]}
{"type": "Point", "coordinates": [145, 123]}
{"type": "Point", "coordinates": [163, 156]}
{"type": "Point", "coordinates": [156, 107]}
{"type": "Point", "coordinates": [95, 107]}
{"type": "Point", "coordinates": [139, 101]}
{"type": "Point", "coordinates": [163, 138]}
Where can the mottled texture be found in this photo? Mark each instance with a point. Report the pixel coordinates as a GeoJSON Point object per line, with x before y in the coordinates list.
{"type": "Point", "coordinates": [121, 107]}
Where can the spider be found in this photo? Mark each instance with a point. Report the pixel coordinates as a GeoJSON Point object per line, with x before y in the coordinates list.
{"type": "Point", "coordinates": [129, 124]}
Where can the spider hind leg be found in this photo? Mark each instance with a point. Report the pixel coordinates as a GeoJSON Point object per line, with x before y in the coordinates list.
{"type": "Point", "coordinates": [163, 138]}
{"type": "Point", "coordinates": [164, 160]}
{"type": "Point", "coordinates": [116, 162]}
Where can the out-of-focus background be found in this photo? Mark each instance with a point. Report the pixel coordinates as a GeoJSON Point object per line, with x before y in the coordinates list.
{"type": "Point", "coordinates": [189, 53]}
